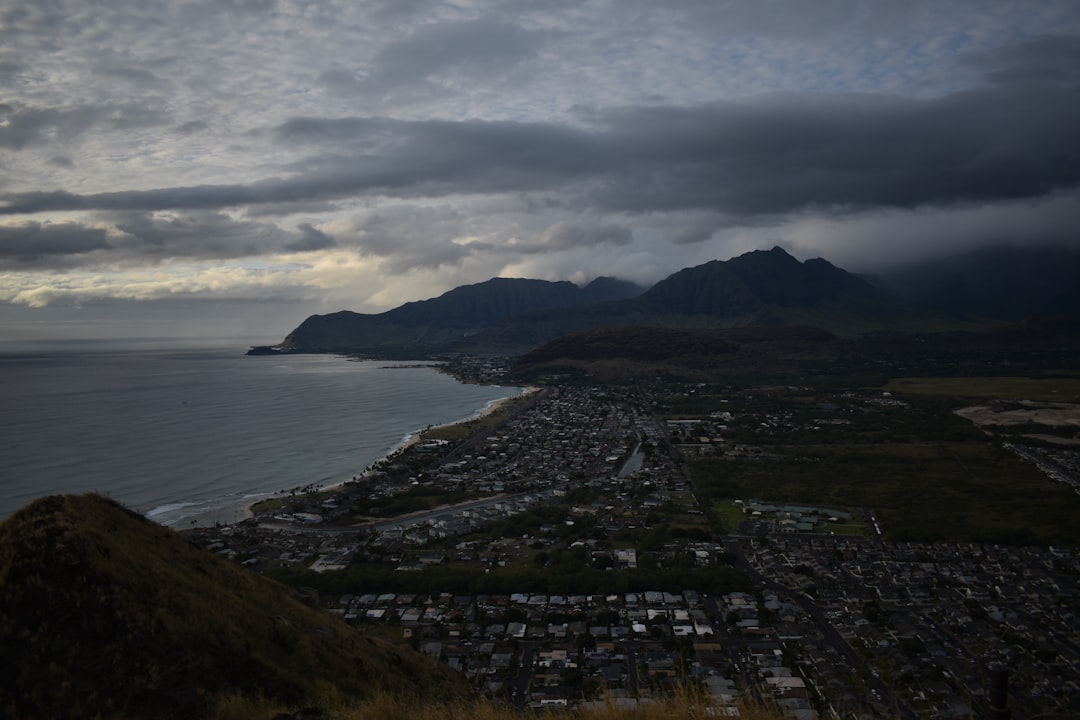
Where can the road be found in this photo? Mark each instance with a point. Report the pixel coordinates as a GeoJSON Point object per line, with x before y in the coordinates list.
{"type": "Point", "coordinates": [828, 632]}
{"type": "Point", "coordinates": [733, 647]}
{"type": "Point", "coordinates": [519, 697]}
{"type": "Point", "coordinates": [416, 518]}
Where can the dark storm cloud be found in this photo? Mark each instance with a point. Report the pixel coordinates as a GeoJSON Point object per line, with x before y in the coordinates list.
{"type": "Point", "coordinates": [191, 128]}
{"type": "Point", "coordinates": [846, 153]}
{"type": "Point", "coordinates": [310, 240]}
{"type": "Point", "coordinates": [697, 230]}
{"type": "Point", "coordinates": [388, 157]}
{"type": "Point", "coordinates": [764, 157]}
{"type": "Point", "coordinates": [139, 77]}
{"type": "Point", "coordinates": [62, 161]}
{"type": "Point", "coordinates": [22, 126]}
{"type": "Point", "coordinates": [441, 157]}
{"type": "Point", "coordinates": [150, 238]}
{"type": "Point", "coordinates": [567, 236]}
{"type": "Point", "coordinates": [1039, 62]}
{"type": "Point", "coordinates": [196, 235]}
{"type": "Point", "coordinates": [30, 241]}
{"type": "Point", "coordinates": [290, 208]}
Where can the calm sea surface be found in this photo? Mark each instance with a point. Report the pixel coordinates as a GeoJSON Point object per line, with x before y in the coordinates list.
{"type": "Point", "coordinates": [189, 436]}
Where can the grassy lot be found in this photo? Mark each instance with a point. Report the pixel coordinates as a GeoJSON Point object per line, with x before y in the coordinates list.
{"type": "Point", "coordinates": [1045, 389]}
{"type": "Point", "coordinates": [729, 514]}
{"type": "Point", "coordinates": [932, 491]}
{"type": "Point", "coordinates": [928, 474]}
{"type": "Point", "coordinates": [851, 528]}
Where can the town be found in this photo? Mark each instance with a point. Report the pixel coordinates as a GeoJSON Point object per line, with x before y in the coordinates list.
{"type": "Point", "coordinates": [605, 544]}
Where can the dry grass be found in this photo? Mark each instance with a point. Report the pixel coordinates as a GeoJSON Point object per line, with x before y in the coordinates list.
{"type": "Point", "coordinates": [106, 614]}
{"type": "Point", "coordinates": [384, 706]}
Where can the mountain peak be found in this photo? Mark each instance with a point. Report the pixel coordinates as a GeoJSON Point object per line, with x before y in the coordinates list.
{"type": "Point", "coordinates": [762, 287]}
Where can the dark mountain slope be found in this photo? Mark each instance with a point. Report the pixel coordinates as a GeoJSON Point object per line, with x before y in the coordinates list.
{"type": "Point", "coordinates": [106, 614]}
{"type": "Point", "coordinates": [1003, 283]}
{"type": "Point", "coordinates": [779, 279]}
{"type": "Point", "coordinates": [625, 353]}
{"type": "Point", "coordinates": [471, 306]}
{"type": "Point", "coordinates": [760, 288]}
{"type": "Point", "coordinates": [439, 322]}
{"type": "Point", "coordinates": [754, 281]}
{"type": "Point", "coordinates": [709, 289]}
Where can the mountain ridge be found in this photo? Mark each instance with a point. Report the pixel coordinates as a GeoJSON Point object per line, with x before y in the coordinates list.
{"type": "Point", "coordinates": [444, 320]}
{"type": "Point", "coordinates": [758, 288]}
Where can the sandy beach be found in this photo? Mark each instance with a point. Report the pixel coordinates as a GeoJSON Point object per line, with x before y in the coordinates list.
{"type": "Point", "coordinates": [409, 441]}
{"type": "Point", "coordinates": [490, 408]}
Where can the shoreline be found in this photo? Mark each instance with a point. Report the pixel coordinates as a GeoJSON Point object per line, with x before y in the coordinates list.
{"type": "Point", "coordinates": [490, 408]}
{"type": "Point", "coordinates": [408, 441]}
{"type": "Point", "coordinates": [415, 436]}
{"type": "Point", "coordinates": [207, 450]}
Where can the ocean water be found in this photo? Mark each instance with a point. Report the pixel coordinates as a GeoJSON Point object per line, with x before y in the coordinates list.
{"type": "Point", "coordinates": [195, 436]}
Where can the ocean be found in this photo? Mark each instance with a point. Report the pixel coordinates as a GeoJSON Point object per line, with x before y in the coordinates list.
{"type": "Point", "coordinates": [194, 436]}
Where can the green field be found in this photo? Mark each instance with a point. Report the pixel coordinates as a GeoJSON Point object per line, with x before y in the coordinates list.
{"type": "Point", "coordinates": [953, 491]}
{"type": "Point", "coordinates": [1044, 389]}
{"type": "Point", "coordinates": [731, 516]}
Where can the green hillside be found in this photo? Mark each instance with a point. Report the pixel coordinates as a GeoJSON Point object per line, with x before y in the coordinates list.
{"type": "Point", "coordinates": [104, 613]}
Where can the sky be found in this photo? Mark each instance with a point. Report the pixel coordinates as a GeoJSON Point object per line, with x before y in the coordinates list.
{"type": "Point", "coordinates": [225, 168]}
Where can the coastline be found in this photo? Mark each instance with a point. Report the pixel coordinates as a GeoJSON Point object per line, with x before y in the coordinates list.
{"type": "Point", "coordinates": [490, 408]}
{"type": "Point", "coordinates": [196, 435]}
{"type": "Point", "coordinates": [410, 440]}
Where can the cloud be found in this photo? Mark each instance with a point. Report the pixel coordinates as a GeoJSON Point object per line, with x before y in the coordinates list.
{"type": "Point", "coordinates": [566, 236]}
{"type": "Point", "coordinates": [311, 239]}
{"type": "Point", "coordinates": [440, 54]}
{"type": "Point", "coordinates": [171, 280]}
{"type": "Point", "coordinates": [1044, 61]}
{"type": "Point", "coordinates": [284, 209]}
{"type": "Point", "coordinates": [371, 153]}
{"type": "Point", "coordinates": [135, 239]}
{"type": "Point", "coordinates": [137, 77]}
{"type": "Point", "coordinates": [21, 127]}
{"type": "Point", "coordinates": [767, 156]}
{"type": "Point", "coordinates": [195, 234]}
{"type": "Point", "coordinates": [34, 241]}
{"type": "Point", "coordinates": [25, 126]}
{"type": "Point", "coordinates": [405, 237]}
{"type": "Point", "coordinates": [873, 242]}
{"type": "Point", "coordinates": [694, 230]}
{"type": "Point", "coordinates": [192, 127]}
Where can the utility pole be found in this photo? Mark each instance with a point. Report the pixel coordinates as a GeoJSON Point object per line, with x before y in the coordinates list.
{"type": "Point", "coordinates": [999, 693]}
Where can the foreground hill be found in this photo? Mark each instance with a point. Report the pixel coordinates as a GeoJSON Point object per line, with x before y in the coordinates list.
{"type": "Point", "coordinates": [104, 613]}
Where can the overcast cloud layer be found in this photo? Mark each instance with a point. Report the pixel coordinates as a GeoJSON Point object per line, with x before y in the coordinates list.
{"type": "Point", "coordinates": [222, 167]}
